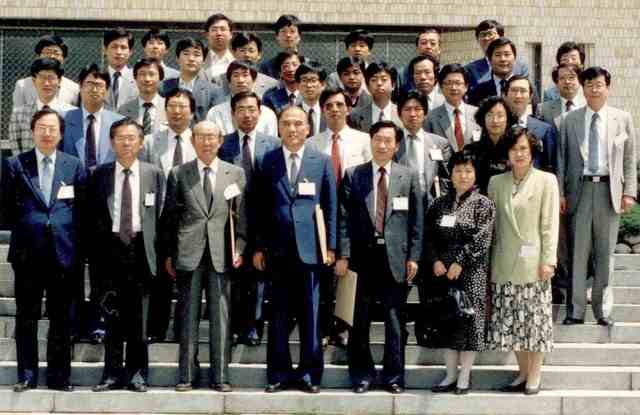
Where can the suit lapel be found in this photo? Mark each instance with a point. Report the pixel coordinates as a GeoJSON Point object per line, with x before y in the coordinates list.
{"type": "Point", "coordinates": [612, 122]}
{"type": "Point", "coordinates": [195, 184]}
{"type": "Point", "coordinates": [160, 146]}
{"type": "Point", "coordinates": [145, 185]}
{"type": "Point", "coordinates": [395, 183]}
{"type": "Point", "coordinates": [281, 169]}
{"type": "Point", "coordinates": [109, 187]}
{"type": "Point", "coordinates": [445, 124]}
{"type": "Point", "coordinates": [30, 165]}
{"type": "Point", "coordinates": [58, 175]}
{"type": "Point", "coordinates": [508, 184]}
{"type": "Point", "coordinates": [581, 133]}
{"type": "Point", "coordinates": [367, 186]}
{"type": "Point", "coordinates": [222, 181]}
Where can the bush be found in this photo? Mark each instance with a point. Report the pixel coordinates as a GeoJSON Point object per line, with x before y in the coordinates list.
{"type": "Point", "coordinates": [630, 223]}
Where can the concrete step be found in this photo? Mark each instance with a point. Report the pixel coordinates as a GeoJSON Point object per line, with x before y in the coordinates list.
{"type": "Point", "coordinates": [627, 261]}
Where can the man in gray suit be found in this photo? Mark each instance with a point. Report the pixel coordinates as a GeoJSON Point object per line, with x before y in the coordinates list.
{"type": "Point", "coordinates": [381, 79]}
{"type": "Point", "coordinates": [118, 48]}
{"type": "Point", "coordinates": [148, 108]}
{"type": "Point", "coordinates": [204, 223]}
{"type": "Point", "coordinates": [598, 182]}
{"type": "Point", "coordinates": [311, 78]}
{"type": "Point", "coordinates": [566, 77]}
{"type": "Point", "coordinates": [126, 200]}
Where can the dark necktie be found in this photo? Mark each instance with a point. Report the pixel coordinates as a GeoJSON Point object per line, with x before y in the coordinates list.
{"type": "Point", "coordinates": [247, 165]}
{"type": "Point", "coordinates": [146, 118]}
{"type": "Point", "coordinates": [206, 187]}
{"type": "Point", "coordinates": [412, 152]}
{"type": "Point", "coordinates": [594, 144]}
{"type": "Point", "coordinates": [503, 85]}
{"type": "Point", "coordinates": [381, 117]}
{"type": "Point", "coordinates": [293, 174]}
{"type": "Point", "coordinates": [335, 158]}
{"type": "Point", "coordinates": [126, 211]}
{"type": "Point", "coordinates": [458, 130]}
{"type": "Point", "coordinates": [292, 99]}
{"type": "Point", "coordinates": [90, 157]}
{"type": "Point", "coordinates": [46, 107]}
{"type": "Point", "coordinates": [312, 124]}
{"type": "Point", "coordinates": [569, 105]}
{"type": "Point", "coordinates": [381, 202]}
{"type": "Point", "coordinates": [177, 153]}
{"type": "Point", "coordinates": [115, 87]}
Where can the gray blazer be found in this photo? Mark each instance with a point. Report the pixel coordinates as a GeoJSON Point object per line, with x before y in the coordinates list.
{"type": "Point", "coordinates": [438, 123]}
{"type": "Point", "coordinates": [188, 225]}
{"type": "Point", "coordinates": [131, 109]}
{"type": "Point", "coordinates": [127, 90]}
{"type": "Point", "coordinates": [361, 117]}
{"type": "Point", "coordinates": [623, 176]}
{"type": "Point", "coordinates": [551, 112]}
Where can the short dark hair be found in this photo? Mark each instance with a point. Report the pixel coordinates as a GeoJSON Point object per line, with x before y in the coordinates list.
{"type": "Point", "coordinates": [215, 18]}
{"type": "Point", "coordinates": [515, 78]}
{"type": "Point", "coordinates": [498, 43]}
{"type": "Point", "coordinates": [488, 25]}
{"type": "Point", "coordinates": [466, 156]}
{"type": "Point", "coordinates": [377, 67]}
{"type": "Point", "coordinates": [94, 69]}
{"type": "Point", "coordinates": [514, 133]}
{"type": "Point", "coordinates": [46, 64]}
{"type": "Point", "coordinates": [47, 111]}
{"type": "Point", "coordinates": [453, 68]}
{"type": "Point", "coordinates": [189, 42]}
{"type": "Point", "coordinates": [155, 33]}
{"type": "Point", "coordinates": [180, 92]}
{"type": "Point", "coordinates": [348, 62]}
{"type": "Point", "coordinates": [241, 39]}
{"type": "Point", "coordinates": [283, 56]}
{"type": "Point", "coordinates": [385, 124]}
{"type": "Point", "coordinates": [311, 67]}
{"type": "Point", "coordinates": [567, 47]}
{"type": "Point", "coordinates": [235, 65]}
{"type": "Point", "coordinates": [359, 35]}
{"type": "Point", "coordinates": [125, 122]}
{"type": "Point", "coordinates": [593, 72]}
{"type": "Point", "coordinates": [406, 97]}
{"type": "Point", "coordinates": [286, 20]}
{"type": "Point", "coordinates": [243, 95]}
{"type": "Point", "coordinates": [329, 92]}
{"type": "Point", "coordinates": [555, 74]}
{"type": "Point", "coordinates": [117, 33]}
{"type": "Point", "coordinates": [428, 29]}
{"type": "Point", "coordinates": [487, 105]}
{"type": "Point", "coordinates": [428, 57]}
{"type": "Point", "coordinates": [148, 62]}
{"type": "Point", "coordinates": [51, 40]}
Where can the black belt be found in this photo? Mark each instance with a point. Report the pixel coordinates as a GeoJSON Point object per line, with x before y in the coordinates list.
{"type": "Point", "coordinates": [597, 179]}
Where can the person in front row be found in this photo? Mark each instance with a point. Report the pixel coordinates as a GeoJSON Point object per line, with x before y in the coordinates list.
{"type": "Point", "coordinates": [204, 228]}
{"type": "Point", "coordinates": [125, 197]}
{"type": "Point", "coordinates": [380, 238]}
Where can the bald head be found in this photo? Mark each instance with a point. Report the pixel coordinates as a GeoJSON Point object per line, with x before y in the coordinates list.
{"type": "Point", "coordinates": [206, 138]}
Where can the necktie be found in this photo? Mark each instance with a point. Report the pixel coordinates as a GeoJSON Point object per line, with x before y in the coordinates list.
{"type": "Point", "coordinates": [115, 88]}
{"type": "Point", "coordinates": [503, 85]}
{"type": "Point", "coordinates": [46, 180]}
{"type": "Point", "coordinates": [335, 158]}
{"type": "Point", "coordinates": [292, 98]}
{"type": "Point", "coordinates": [312, 126]}
{"type": "Point", "coordinates": [206, 187]}
{"type": "Point", "coordinates": [46, 107]}
{"type": "Point", "coordinates": [146, 118]}
{"type": "Point", "coordinates": [247, 165]}
{"type": "Point", "coordinates": [381, 202]}
{"type": "Point", "coordinates": [177, 153]}
{"type": "Point", "coordinates": [293, 174]}
{"type": "Point", "coordinates": [569, 105]}
{"type": "Point", "coordinates": [458, 130]}
{"type": "Point", "coordinates": [381, 117]}
{"type": "Point", "coordinates": [412, 153]}
{"type": "Point", "coordinates": [126, 211]}
{"type": "Point", "coordinates": [90, 157]}
{"type": "Point", "coordinates": [594, 144]}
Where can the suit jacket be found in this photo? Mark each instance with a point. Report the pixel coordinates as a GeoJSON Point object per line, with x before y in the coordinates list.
{"type": "Point", "coordinates": [551, 112]}
{"type": "Point", "coordinates": [270, 68]}
{"type": "Point", "coordinates": [34, 223]}
{"type": "Point", "coordinates": [361, 118]}
{"type": "Point", "coordinates": [74, 140]}
{"type": "Point", "coordinates": [402, 228]}
{"type": "Point", "coordinates": [263, 83]}
{"type": "Point", "coordinates": [530, 218]}
{"type": "Point", "coordinates": [438, 123]}
{"type": "Point", "coordinates": [287, 218]}
{"type": "Point", "coordinates": [323, 122]}
{"type": "Point", "coordinates": [547, 134]}
{"type": "Point", "coordinates": [355, 146]}
{"type": "Point", "coordinates": [127, 90]}
{"type": "Point", "coordinates": [131, 109]}
{"type": "Point", "coordinates": [101, 194]}
{"type": "Point", "coordinates": [222, 117]}
{"type": "Point", "coordinates": [488, 89]}
{"type": "Point", "coordinates": [169, 72]}
{"type": "Point", "coordinates": [206, 95]}
{"type": "Point", "coordinates": [480, 70]}
{"type": "Point", "coordinates": [188, 226]}
{"type": "Point", "coordinates": [622, 157]}
{"type": "Point", "coordinates": [25, 93]}
{"type": "Point", "coordinates": [551, 94]}
{"type": "Point", "coordinates": [277, 99]}
{"type": "Point", "coordinates": [156, 148]}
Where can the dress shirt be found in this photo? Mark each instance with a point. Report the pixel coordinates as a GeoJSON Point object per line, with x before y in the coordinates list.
{"type": "Point", "coordinates": [497, 82]}
{"type": "Point", "coordinates": [317, 113]}
{"type": "Point", "coordinates": [125, 70]}
{"type": "Point", "coordinates": [452, 116]}
{"type": "Point", "coordinates": [522, 120]}
{"type": "Point", "coordinates": [603, 149]}
{"type": "Point", "coordinates": [40, 157]}
{"type": "Point", "coordinates": [295, 93]}
{"type": "Point", "coordinates": [97, 123]}
{"type": "Point", "coordinates": [188, 152]}
{"type": "Point", "coordinates": [578, 102]}
{"type": "Point", "coordinates": [376, 176]}
{"type": "Point", "coordinates": [134, 183]}
{"type": "Point", "coordinates": [218, 64]}
{"type": "Point", "coordinates": [187, 85]}
{"type": "Point", "coordinates": [212, 176]}
{"type": "Point", "coordinates": [221, 115]}
{"type": "Point", "coordinates": [252, 144]}
{"type": "Point", "coordinates": [153, 111]}
{"type": "Point", "coordinates": [328, 134]}
{"type": "Point", "coordinates": [419, 146]}
{"type": "Point", "coordinates": [287, 160]}
{"type": "Point", "coordinates": [375, 112]}
{"type": "Point", "coordinates": [53, 104]}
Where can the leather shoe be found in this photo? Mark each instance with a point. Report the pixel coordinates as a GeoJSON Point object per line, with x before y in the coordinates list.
{"type": "Point", "coordinates": [569, 321]}
{"type": "Point", "coordinates": [308, 387]}
{"type": "Point", "coordinates": [362, 387]}
{"type": "Point", "coordinates": [531, 391]}
{"type": "Point", "coordinates": [605, 321]}
{"type": "Point", "coordinates": [65, 387]}
{"type": "Point", "coordinates": [444, 388]}
{"type": "Point", "coordinates": [107, 385]}
{"type": "Point", "coordinates": [222, 387]}
{"type": "Point", "coordinates": [394, 388]}
{"type": "Point", "coordinates": [96, 338]}
{"type": "Point", "coordinates": [137, 387]}
{"type": "Point", "coordinates": [462, 391]}
{"type": "Point", "coordinates": [23, 386]}
{"type": "Point", "coordinates": [520, 387]}
{"type": "Point", "coordinates": [183, 387]}
{"type": "Point", "coordinates": [275, 387]}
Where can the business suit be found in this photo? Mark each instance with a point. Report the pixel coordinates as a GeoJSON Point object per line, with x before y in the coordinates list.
{"type": "Point", "coordinates": [205, 94]}
{"type": "Point", "coordinates": [270, 68]}
{"type": "Point", "coordinates": [547, 135]}
{"type": "Point", "coordinates": [361, 118]}
{"type": "Point", "coordinates": [488, 89]}
{"type": "Point", "coordinates": [126, 270]}
{"type": "Point", "coordinates": [44, 252]}
{"type": "Point", "coordinates": [552, 112]}
{"type": "Point", "coordinates": [277, 99]}
{"type": "Point", "coordinates": [594, 208]}
{"type": "Point", "coordinates": [262, 84]}
{"type": "Point", "coordinates": [169, 72]}
{"type": "Point", "coordinates": [158, 152]}
{"type": "Point", "coordinates": [196, 237]}
{"type": "Point", "coordinates": [20, 134]}
{"type": "Point", "coordinates": [480, 70]}
{"type": "Point", "coordinates": [127, 89]}
{"type": "Point", "coordinates": [319, 123]}
{"type": "Point", "coordinates": [132, 110]}
{"type": "Point", "coordinates": [438, 122]}
{"type": "Point", "coordinates": [380, 262]}
{"type": "Point", "coordinates": [221, 115]}
{"type": "Point", "coordinates": [287, 233]}
{"type": "Point", "coordinates": [25, 93]}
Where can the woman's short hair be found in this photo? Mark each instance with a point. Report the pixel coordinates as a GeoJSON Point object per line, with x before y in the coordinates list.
{"type": "Point", "coordinates": [513, 135]}
{"type": "Point", "coordinates": [465, 156]}
{"type": "Point", "coordinates": [487, 105]}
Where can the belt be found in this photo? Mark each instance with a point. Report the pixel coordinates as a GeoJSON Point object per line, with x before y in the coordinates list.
{"type": "Point", "coordinates": [597, 179]}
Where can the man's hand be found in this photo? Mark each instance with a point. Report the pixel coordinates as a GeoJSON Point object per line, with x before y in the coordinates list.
{"type": "Point", "coordinates": [412, 270]}
{"type": "Point", "coordinates": [563, 205]}
{"type": "Point", "coordinates": [342, 266]}
{"type": "Point", "coordinates": [454, 271]}
{"type": "Point", "coordinates": [545, 272]}
{"type": "Point", "coordinates": [238, 262]}
{"type": "Point", "coordinates": [627, 203]}
{"type": "Point", "coordinates": [439, 269]}
{"type": "Point", "coordinates": [259, 261]}
{"type": "Point", "coordinates": [331, 257]}
{"type": "Point", "coordinates": [168, 266]}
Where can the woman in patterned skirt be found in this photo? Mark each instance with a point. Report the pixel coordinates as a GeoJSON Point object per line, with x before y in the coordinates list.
{"type": "Point", "coordinates": [523, 260]}
{"type": "Point", "coordinates": [458, 238]}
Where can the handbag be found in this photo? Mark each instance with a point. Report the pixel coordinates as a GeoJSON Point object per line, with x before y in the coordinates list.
{"type": "Point", "coordinates": [460, 308]}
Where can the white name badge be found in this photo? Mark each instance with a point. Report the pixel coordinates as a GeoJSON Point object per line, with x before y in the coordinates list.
{"type": "Point", "coordinates": [448, 221]}
{"type": "Point", "coordinates": [306, 189]}
{"type": "Point", "coordinates": [436, 154]}
{"type": "Point", "coordinates": [400, 203]}
{"type": "Point", "coordinates": [150, 199]}
{"type": "Point", "coordinates": [476, 135]}
{"type": "Point", "coordinates": [528, 250]}
{"type": "Point", "coordinates": [66, 192]}
{"type": "Point", "coordinates": [231, 191]}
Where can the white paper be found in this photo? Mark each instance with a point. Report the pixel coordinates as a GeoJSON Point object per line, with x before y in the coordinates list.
{"type": "Point", "coordinates": [150, 199]}
{"type": "Point", "coordinates": [306, 189]}
{"type": "Point", "coordinates": [66, 192]}
{"type": "Point", "coordinates": [476, 135]}
{"type": "Point", "coordinates": [448, 221]}
{"type": "Point", "coordinates": [231, 191]}
{"type": "Point", "coordinates": [528, 250]}
{"type": "Point", "coordinates": [400, 203]}
{"type": "Point", "coordinates": [436, 154]}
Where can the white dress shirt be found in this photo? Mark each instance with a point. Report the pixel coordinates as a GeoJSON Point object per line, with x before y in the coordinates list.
{"type": "Point", "coordinates": [317, 113]}
{"type": "Point", "coordinates": [419, 148]}
{"type": "Point", "coordinates": [187, 85]}
{"type": "Point", "coordinates": [452, 117]}
{"type": "Point", "coordinates": [188, 152]}
{"type": "Point", "coordinates": [287, 160]}
{"type": "Point", "coordinates": [222, 117]}
{"type": "Point", "coordinates": [376, 178]}
{"type": "Point", "coordinates": [40, 157]}
{"type": "Point", "coordinates": [375, 112]}
{"type": "Point", "coordinates": [212, 176]}
{"type": "Point", "coordinates": [134, 183]}
{"type": "Point", "coordinates": [603, 149]}
{"type": "Point", "coordinates": [218, 65]}
{"type": "Point", "coordinates": [355, 146]}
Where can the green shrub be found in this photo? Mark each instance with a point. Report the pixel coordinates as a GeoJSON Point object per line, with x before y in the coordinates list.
{"type": "Point", "coordinates": [630, 223]}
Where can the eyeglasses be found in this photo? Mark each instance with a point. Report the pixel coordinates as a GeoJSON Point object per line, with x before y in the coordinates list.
{"type": "Point", "coordinates": [487, 34]}
{"type": "Point", "coordinates": [453, 84]}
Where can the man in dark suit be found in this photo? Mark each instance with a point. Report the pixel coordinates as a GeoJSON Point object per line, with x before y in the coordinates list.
{"type": "Point", "coordinates": [125, 197]}
{"type": "Point", "coordinates": [311, 77]}
{"type": "Point", "coordinates": [43, 192]}
{"type": "Point", "coordinates": [287, 29]}
{"type": "Point", "coordinates": [246, 148]}
{"type": "Point", "coordinates": [380, 238]}
{"type": "Point", "coordinates": [204, 235]}
{"type": "Point", "coordinates": [358, 44]}
{"type": "Point", "coordinates": [381, 80]}
{"type": "Point", "coordinates": [427, 44]}
{"type": "Point", "coordinates": [288, 94]}
{"type": "Point", "coordinates": [351, 72]}
{"type": "Point", "coordinates": [295, 179]}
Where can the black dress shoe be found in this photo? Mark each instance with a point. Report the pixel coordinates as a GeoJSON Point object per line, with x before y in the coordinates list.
{"type": "Point", "coordinates": [362, 387]}
{"type": "Point", "coordinates": [107, 385]}
{"type": "Point", "coordinates": [605, 321]}
{"type": "Point", "coordinates": [222, 387]}
{"type": "Point", "coordinates": [275, 387]}
{"type": "Point", "coordinates": [65, 387]}
{"type": "Point", "coordinates": [308, 387]}
{"type": "Point", "coordinates": [183, 387]}
{"type": "Point", "coordinates": [394, 388]}
{"type": "Point", "coordinates": [444, 388]}
{"type": "Point", "coordinates": [520, 387]}
{"type": "Point", "coordinates": [137, 387]}
{"type": "Point", "coordinates": [23, 386]}
{"type": "Point", "coordinates": [339, 340]}
{"type": "Point", "coordinates": [569, 321]}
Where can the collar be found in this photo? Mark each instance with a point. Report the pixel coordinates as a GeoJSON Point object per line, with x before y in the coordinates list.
{"type": "Point", "coordinates": [185, 135]}
{"type": "Point", "coordinates": [154, 101]}
{"type": "Point", "coordinates": [251, 134]}
{"type": "Point", "coordinates": [316, 107]}
{"type": "Point", "coordinates": [524, 119]}
{"type": "Point", "coordinates": [227, 56]}
{"type": "Point", "coordinates": [602, 113]}
{"type": "Point", "coordinates": [376, 167]}
{"type": "Point", "coordinates": [113, 71]}
{"type": "Point", "coordinates": [53, 104]}
{"type": "Point", "coordinates": [40, 156]}
{"type": "Point", "coordinates": [419, 135]}
{"type": "Point", "coordinates": [287, 153]}
{"type": "Point", "coordinates": [134, 168]}
{"type": "Point", "coordinates": [213, 165]}
{"type": "Point", "coordinates": [450, 108]}
{"type": "Point", "coordinates": [86, 113]}
{"type": "Point", "coordinates": [329, 132]}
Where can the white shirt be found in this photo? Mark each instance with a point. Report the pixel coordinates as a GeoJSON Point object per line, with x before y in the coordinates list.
{"type": "Point", "coordinates": [376, 178]}
{"type": "Point", "coordinates": [287, 160]}
{"type": "Point", "coordinates": [40, 157]}
{"type": "Point", "coordinates": [212, 176]}
{"type": "Point", "coordinates": [578, 102]}
{"type": "Point", "coordinates": [187, 85]}
{"type": "Point", "coordinates": [134, 184]}
{"type": "Point", "coordinates": [419, 146]}
{"type": "Point", "coordinates": [452, 116]}
{"type": "Point", "coordinates": [603, 149]}
{"type": "Point", "coordinates": [522, 120]}
{"type": "Point", "coordinates": [355, 146]}
{"type": "Point", "coordinates": [217, 65]}
{"type": "Point", "coordinates": [375, 112]}
{"type": "Point", "coordinates": [97, 122]}
{"type": "Point", "coordinates": [316, 116]}
{"type": "Point", "coordinates": [252, 144]}
{"type": "Point", "coordinates": [188, 152]}
{"type": "Point", "coordinates": [53, 104]}
{"type": "Point", "coordinates": [221, 116]}
{"type": "Point", "coordinates": [153, 111]}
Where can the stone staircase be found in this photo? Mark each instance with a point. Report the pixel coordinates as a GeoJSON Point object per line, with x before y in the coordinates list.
{"type": "Point", "coordinates": [592, 370]}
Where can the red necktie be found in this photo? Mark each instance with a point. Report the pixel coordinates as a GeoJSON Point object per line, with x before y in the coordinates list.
{"type": "Point", "coordinates": [335, 158]}
{"type": "Point", "coordinates": [458, 130]}
{"type": "Point", "coordinates": [381, 202]}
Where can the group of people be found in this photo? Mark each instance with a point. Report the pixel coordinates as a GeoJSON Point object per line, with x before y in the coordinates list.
{"type": "Point", "coordinates": [253, 179]}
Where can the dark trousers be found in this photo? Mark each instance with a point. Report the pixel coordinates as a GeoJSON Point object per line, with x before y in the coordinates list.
{"type": "Point", "coordinates": [125, 304]}
{"type": "Point", "coordinates": [247, 290]}
{"type": "Point", "coordinates": [31, 280]}
{"type": "Point", "coordinates": [375, 282]}
{"type": "Point", "coordinates": [327, 300]}
{"type": "Point", "coordinates": [162, 292]}
{"type": "Point", "coordinates": [295, 293]}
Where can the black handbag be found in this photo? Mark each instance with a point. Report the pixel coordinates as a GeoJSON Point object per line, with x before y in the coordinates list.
{"type": "Point", "coordinates": [460, 307]}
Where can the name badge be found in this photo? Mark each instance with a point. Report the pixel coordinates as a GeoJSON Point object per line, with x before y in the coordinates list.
{"type": "Point", "coordinates": [306, 189]}
{"type": "Point", "coordinates": [528, 250]}
{"type": "Point", "coordinates": [448, 221]}
{"type": "Point", "coordinates": [400, 203]}
{"type": "Point", "coordinates": [231, 191]}
{"type": "Point", "coordinates": [436, 154]}
{"type": "Point", "coordinates": [475, 135]}
{"type": "Point", "coordinates": [66, 192]}
{"type": "Point", "coordinates": [150, 199]}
